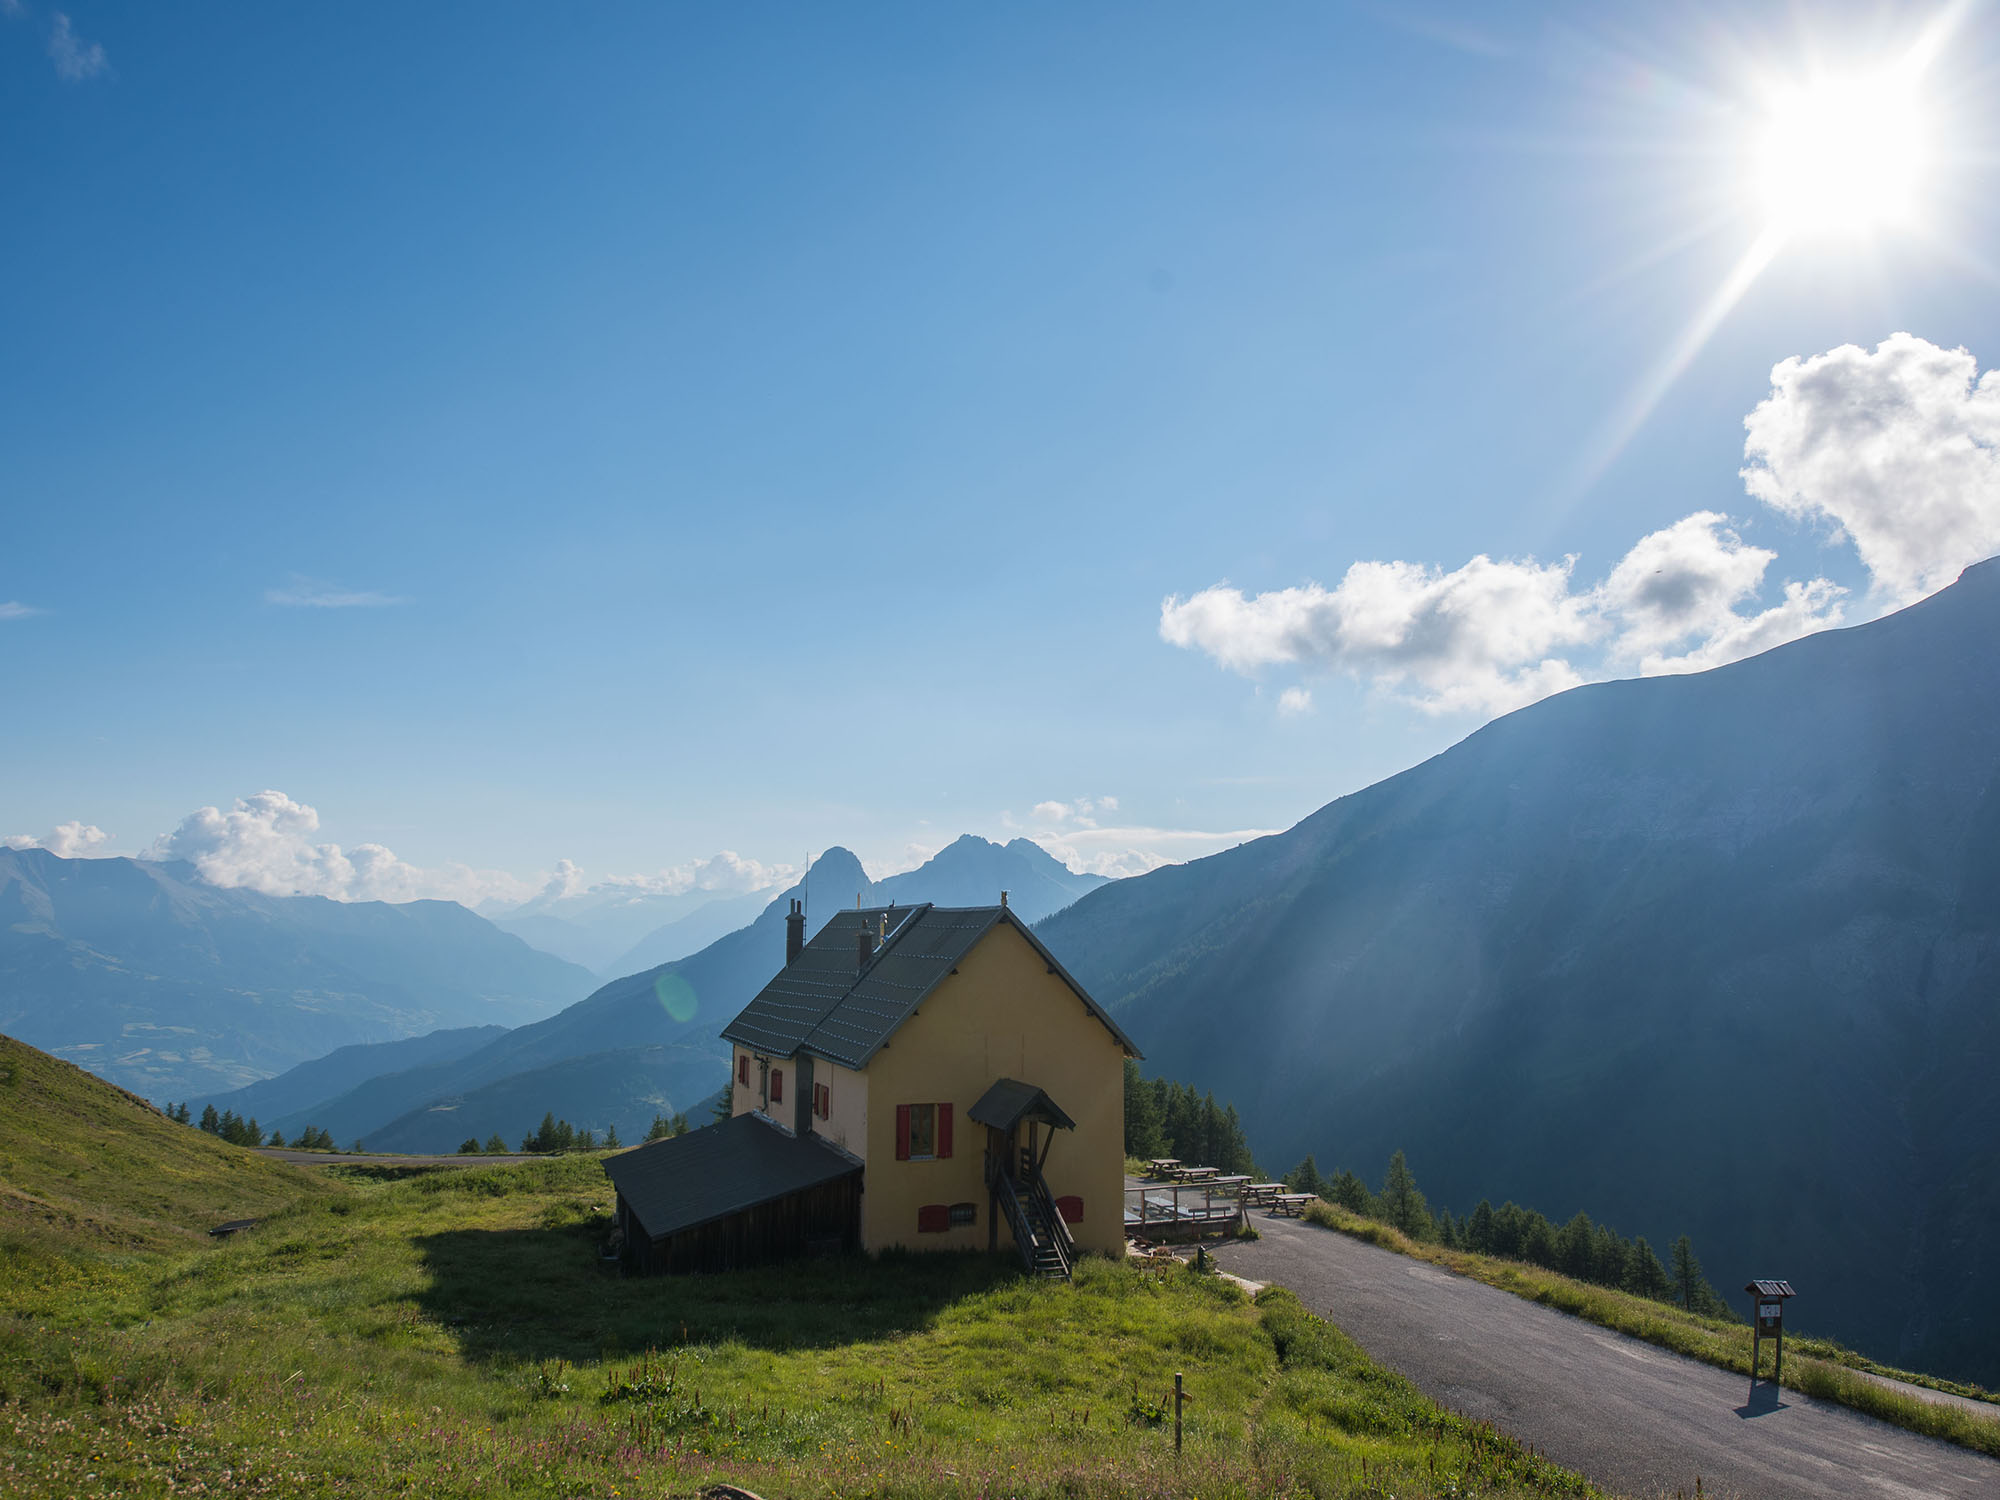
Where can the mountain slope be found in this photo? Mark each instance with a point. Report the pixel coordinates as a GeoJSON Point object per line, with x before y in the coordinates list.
{"type": "Point", "coordinates": [1716, 954]}
{"type": "Point", "coordinates": [85, 1165]}
{"type": "Point", "coordinates": [171, 987]}
{"type": "Point", "coordinates": [298, 1092]}
{"type": "Point", "coordinates": [680, 1005]}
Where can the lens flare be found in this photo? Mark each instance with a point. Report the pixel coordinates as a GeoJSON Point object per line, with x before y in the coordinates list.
{"type": "Point", "coordinates": [1843, 154]}
{"type": "Point", "coordinates": [676, 997]}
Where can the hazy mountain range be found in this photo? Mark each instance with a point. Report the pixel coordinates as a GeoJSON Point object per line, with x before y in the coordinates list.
{"type": "Point", "coordinates": [642, 1044]}
{"type": "Point", "coordinates": [1716, 954]}
{"type": "Point", "coordinates": [171, 987]}
{"type": "Point", "coordinates": [613, 930]}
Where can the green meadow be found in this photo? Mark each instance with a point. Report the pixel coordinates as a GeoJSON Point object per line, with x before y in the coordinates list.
{"type": "Point", "coordinates": [451, 1332]}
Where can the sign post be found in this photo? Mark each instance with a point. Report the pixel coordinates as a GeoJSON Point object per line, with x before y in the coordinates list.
{"type": "Point", "coordinates": [1767, 1320]}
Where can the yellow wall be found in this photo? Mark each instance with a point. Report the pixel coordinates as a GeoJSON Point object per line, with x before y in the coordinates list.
{"type": "Point", "coordinates": [847, 1126]}
{"type": "Point", "coordinates": [1003, 1015]}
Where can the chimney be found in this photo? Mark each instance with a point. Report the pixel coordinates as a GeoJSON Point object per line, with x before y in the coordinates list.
{"type": "Point", "coordinates": [795, 934]}
{"type": "Point", "coordinates": [864, 948]}
{"type": "Point", "coordinates": [1003, 899]}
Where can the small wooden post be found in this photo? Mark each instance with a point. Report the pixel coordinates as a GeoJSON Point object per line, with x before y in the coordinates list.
{"type": "Point", "coordinates": [1778, 1364]}
{"type": "Point", "coordinates": [1177, 1413]}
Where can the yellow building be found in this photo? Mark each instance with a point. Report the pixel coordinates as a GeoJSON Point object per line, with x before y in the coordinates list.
{"type": "Point", "coordinates": [917, 1076]}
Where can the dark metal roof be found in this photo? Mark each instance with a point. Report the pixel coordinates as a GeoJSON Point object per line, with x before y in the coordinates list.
{"type": "Point", "coordinates": [1010, 1101]}
{"type": "Point", "coordinates": [689, 1180]}
{"type": "Point", "coordinates": [825, 1003]}
{"type": "Point", "coordinates": [1770, 1289]}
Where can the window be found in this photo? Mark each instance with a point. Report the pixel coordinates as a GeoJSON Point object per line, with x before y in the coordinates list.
{"type": "Point", "coordinates": [963, 1214]}
{"type": "Point", "coordinates": [823, 1100]}
{"type": "Point", "coordinates": [743, 1069]}
{"type": "Point", "coordinates": [777, 1086]}
{"type": "Point", "coordinates": [923, 1132]}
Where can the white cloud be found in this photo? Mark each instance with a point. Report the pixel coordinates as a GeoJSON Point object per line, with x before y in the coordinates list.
{"type": "Point", "coordinates": [1295, 700]}
{"type": "Point", "coordinates": [75, 59]}
{"type": "Point", "coordinates": [307, 593]}
{"type": "Point", "coordinates": [266, 843]}
{"type": "Point", "coordinates": [1119, 852]}
{"type": "Point", "coordinates": [725, 872]}
{"type": "Point", "coordinates": [14, 609]}
{"type": "Point", "coordinates": [72, 840]}
{"type": "Point", "coordinates": [1481, 637]}
{"type": "Point", "coordinates": [1898, 449]}
{"type": "Point", "coordinates": [13, 10]}
{"type": "Point", "coordinates": [1083, 812]}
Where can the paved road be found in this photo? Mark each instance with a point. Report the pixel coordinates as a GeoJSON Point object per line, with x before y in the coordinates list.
{"type": "Point", "coordinates": [1636, 1419]}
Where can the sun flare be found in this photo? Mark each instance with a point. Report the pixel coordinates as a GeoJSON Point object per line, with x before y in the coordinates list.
{"type": "Point", "coordinates": [1843, 155]}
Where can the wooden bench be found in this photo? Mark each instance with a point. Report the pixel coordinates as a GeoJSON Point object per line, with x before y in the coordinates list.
{"type": "Point", "coordinates": [1292, 1203]}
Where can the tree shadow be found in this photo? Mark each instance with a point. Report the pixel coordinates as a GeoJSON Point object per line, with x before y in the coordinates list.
{"type": "Point", "coordinates": [524, 1295]}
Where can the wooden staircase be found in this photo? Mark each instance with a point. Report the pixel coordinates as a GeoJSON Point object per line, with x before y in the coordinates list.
{"type": "Point", "coordinates": [1040, 1234]}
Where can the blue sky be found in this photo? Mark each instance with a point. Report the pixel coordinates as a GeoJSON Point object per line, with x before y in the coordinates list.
{"type": "Point", "coordinates": [624, 433]}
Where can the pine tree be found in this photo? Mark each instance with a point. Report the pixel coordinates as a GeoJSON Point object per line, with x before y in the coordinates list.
{"type": "Point", "coordinates": [1305, 1178]}
{"type": "Point", "coordinates": [1479, 1230]}
{"type": "Point", "coordinates": [469, 1146]}
{"type": "Point", "coordinates": [544, 1138]}
{"type": "Point", "coordinates": [1448, 1235]}
{"type": "Point", "coordinates": [252, 1136]}
{"type": "Point", "coordinates": [611, 1141]}
{"type": "Point", "coordinates": [276, 1142]}
{"type": "Point", "coordinates": [725, 1103]}
{"type": "Point", "coordinates": [1644, 1275]}
{"type": "Point", "coordinates": [495, 1146]}
{"type": "Point", "coordinates": [1351, 1193]}
{"type": "Point", "coordinates": [679, 1123]}
{"type": "Point", "coordinates": [1573, 1246]}
{"type": "Point", "coordinates": [660, 1129]}
{"type": "Point", "coordinates": [210, 1121]}
{"type": "Point", "coordinates": [1402, 1204]}
{"type": "Point", "coordinates": [1687, 1278]}
{"type": "Point", "coordinates": [583, 1140]}
{"type": "Point", "coordinates": [1144, 1132]}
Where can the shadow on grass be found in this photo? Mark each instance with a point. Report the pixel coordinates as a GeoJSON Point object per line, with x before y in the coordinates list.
{"type": "Point", "coordinates": [532, 1294]}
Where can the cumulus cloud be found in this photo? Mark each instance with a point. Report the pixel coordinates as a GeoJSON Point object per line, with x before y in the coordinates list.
{"type": "Point", "coordinates": [14, 609]}
{"type": "Point", "coordinates": [1897, 449]}
{"type": "Point", "coordinates": [1482, 637]}
{"type": "Point", "coordinates": [72, 840]}
{"type": "Point", "coordinates": [75, 59]}
{"type": "Point", "coordinates": [308, 593]}
{"type": "Point", "coordinates": [725, 872]}
{"type": "Point", "coordinates": [267, 843]}
{"type": "Point", "coordinates": [1073, 831]}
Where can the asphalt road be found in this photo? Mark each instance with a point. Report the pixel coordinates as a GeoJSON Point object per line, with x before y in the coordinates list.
{"type": "Point", "coordinates": [1636, 1419]}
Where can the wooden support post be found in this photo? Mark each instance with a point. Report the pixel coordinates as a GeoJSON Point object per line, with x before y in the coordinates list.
{"type": "Point", "coordinates": [1177, 1413]}
{"type": "Point", "coordinates": [1778, 1364]}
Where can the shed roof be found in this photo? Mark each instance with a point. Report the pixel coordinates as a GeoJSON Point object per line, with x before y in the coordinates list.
{"type": "Point", "coordinates": [1762, 1288]}
{"type": "Point", "coordinates": [1011, 1101]}
{"type": "Point", "coordinates": [825, 1003]}
{"type": "Point", "coordinates": [689, 1180]}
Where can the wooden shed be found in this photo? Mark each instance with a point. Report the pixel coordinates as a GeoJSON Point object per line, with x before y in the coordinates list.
{"type": "Point", "coordinates": [734, 1194]}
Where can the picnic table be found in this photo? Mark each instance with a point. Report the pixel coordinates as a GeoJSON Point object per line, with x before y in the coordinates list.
{"type": "Point", "coordinates": [1292, 1203]}
{"type": "Point", "coordinates": [1193, 1174]}
{"type": "Point", "coordinates": [1256, 1193]}
{"type": "Point", "coordinates": [1162, 1166]}
{"type": "Point", "coordinates": [1227, 1184]}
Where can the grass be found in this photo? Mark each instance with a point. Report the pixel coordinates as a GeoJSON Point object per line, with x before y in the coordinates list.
{"type": "Point", "coordinates": [1817, 1367]}
{"type": "Point", "coordinates": [449, 1334]}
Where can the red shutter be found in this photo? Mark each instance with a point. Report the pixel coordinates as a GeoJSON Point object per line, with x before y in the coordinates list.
{"type": "Point", "coordinates": [934, 1218]}
{"type": "Point", "coordinates": [777, 1086]}
{"type": "Point", "coordinates": [943, 1131]}
{"type": "Point", "coordinates": [1071, 1210]}
{"type": "Point", "coordinates": [743, 1070]}
{"type": "Point", "coordinates": [902, 1132]}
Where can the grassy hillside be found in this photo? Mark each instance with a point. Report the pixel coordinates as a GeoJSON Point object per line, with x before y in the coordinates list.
{"type": "Point", "coordinates": [451, 1334]}
{"type": "Point", "coordinates": [88, 1169]}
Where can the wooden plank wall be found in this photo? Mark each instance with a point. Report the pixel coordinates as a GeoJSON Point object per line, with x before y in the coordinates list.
{"type": "Point", "coordinates": [827, 1217]}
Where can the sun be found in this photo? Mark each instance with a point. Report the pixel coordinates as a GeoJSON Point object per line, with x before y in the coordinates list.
{"type": "Point", "coordinates": [1843, 155]}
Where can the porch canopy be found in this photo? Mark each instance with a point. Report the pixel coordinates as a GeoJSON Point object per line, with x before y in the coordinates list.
{"type": "Point", "coordinates": [1010, 1101]}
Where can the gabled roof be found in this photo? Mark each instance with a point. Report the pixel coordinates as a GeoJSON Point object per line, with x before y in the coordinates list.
{"type": "Point", "coordinates": [1011, 1101]}
{"type": "Point", "coordinates": [822, 1004]}
{"type": "Point", "coordinates": [689, 1180]}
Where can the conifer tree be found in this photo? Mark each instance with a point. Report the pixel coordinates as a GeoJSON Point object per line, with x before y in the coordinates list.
{"type": "Point", "coordinates": [1644, 1275]}
{"type": "Point", "coordinates": [1573, 1246]}
{"type": "Point", "coordinates": [1688, 1281]}
{"type": "Point", "coordinates": [1351, 1193]}
{"type": "Point", "coordinates": [277, 1140]}
{"type": "Point", "coordinates": [725, 1103]}
{"type": "Point", "coordinates": [1305, 1178]}
{"type": "Point", "coordinates": [1144, 1132]}
{"type": "Point", "coordinates": [210, 1121]}
{"type": "Point", "coordinates": [679, 1124]}
{"type": "Point", "coordinates": [495, 1146]}
{"type": "Point", "coordinates": [469, 1146]}
{"type": "Point", "coordinates": [1479, 1229]}
{"type": "Point", "coordinates": [611, 1141]}
{"type": "Point", "coordinates": [1402, 1204]}
{"type": "Point", "coordinates": [660, 1129]}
